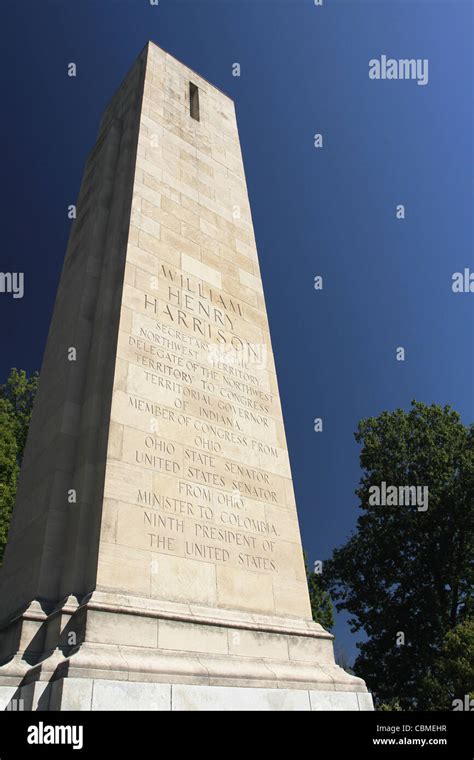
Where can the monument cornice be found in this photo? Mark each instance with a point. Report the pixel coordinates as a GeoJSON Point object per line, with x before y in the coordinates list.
{"type": "Point", "coordinates": [241, 621]}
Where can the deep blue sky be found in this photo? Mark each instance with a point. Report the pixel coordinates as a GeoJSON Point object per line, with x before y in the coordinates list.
{"type": "Point", "coordinates": [304, 69]}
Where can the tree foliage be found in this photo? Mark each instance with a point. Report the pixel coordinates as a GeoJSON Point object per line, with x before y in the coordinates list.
{"type": "Point", "coordinates": [321, 606]}
{"type": "Point", "coordinates": [451, 677]}
{"type": "Point", "coordinates": [404, 570]}
{"type": "Point", "coordinates": [16, 403]}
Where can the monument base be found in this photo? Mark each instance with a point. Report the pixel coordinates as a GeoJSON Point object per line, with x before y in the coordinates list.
{"type": "Point", "coordinates": [87, 694]}
{"type": "Point", "coordinates": [113, 652]}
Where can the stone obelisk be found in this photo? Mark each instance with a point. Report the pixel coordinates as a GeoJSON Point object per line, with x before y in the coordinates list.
{"type": "Point", "coordinates": [154, 559]}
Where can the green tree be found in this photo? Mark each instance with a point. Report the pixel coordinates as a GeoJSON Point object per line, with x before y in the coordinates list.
{"type": "Point", "coordinates": [452, 674]}
{"type": "Point", "coordinates": [8, 471]}
{"type": "Point", "coordinates": [16, 403]}
{"type": "Point", "coordinates": [405, 576]}
{"type": "Point", "coordinates": [321, 606]}
{"type": "Point", "coordinates": [392, 706]}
